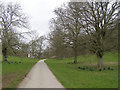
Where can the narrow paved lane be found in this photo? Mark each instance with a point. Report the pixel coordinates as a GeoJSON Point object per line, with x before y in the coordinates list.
{"type": "Point", "coordinates": [40, 77]}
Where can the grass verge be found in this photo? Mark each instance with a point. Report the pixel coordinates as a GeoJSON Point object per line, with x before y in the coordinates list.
{"type": "Point", "coordinates": [71, 77]}
{"type": "Point", "coordinates": [15, 71]}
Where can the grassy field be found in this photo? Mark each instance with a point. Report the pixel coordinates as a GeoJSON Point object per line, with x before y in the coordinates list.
{"type": "Point", "coordinates": [72, 77]}
{"type": "Point", "coordinates": [14, 72]}
{"type": "Point", "coordinates": [0, 67]}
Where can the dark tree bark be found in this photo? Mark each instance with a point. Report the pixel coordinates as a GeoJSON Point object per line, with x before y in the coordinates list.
{"type": "Point", "coordinates": [99, 55]}
{"type": "Point", "coordinates": [4, 52]}
{"type": "Point", "coordinates": [100, 62]}
{"type": "Point", "coordinates": [75, 55]}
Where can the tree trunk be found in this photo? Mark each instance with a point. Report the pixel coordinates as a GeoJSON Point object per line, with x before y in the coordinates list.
{"type": "Point", "coordinates": [4, 51]}
{"type": "Point", "coordinates": [75, 59]}
{"type": "Point", "coordinates": [100, 62]}
{"type": "Point", "coordinates": [75, 55]}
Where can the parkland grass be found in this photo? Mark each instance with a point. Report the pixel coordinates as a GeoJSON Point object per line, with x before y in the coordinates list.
{"type": "Point", "coordinates": [71, 77]}
{"type": "Point", "coordinates": [15, 71]}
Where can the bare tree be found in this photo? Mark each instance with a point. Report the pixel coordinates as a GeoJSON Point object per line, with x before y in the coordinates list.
{"type": "Point", "coordinates": [99, 23]}
{"type": "Point", "coordinates": [57, 39]}
{"type": "Point", "coordinates": [40, 45]}
{"type": "Point", "coordinates": [11, 17]}
{"type": "Point", "coordinates": [71, 20]}
{"type": "Point", "coordinates": [36, 47]}
{"type": "Point", "coordinates": [33, 45]}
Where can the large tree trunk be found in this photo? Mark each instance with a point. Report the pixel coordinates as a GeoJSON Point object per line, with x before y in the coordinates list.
{"type": "Point", "coordinates": [4, 52]}
{"type": "Point", "coordinates": [75, 59]}
{"type": "Point", "coordinates": [100, 62]}
{"type": "Point", "coordinates": [75, 55]}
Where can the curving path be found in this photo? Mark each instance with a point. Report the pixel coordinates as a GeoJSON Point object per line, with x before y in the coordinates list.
{"type": "Point", "coordinates": [40, 76]}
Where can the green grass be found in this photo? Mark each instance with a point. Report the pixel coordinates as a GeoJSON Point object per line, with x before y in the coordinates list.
{"type": "Point", "coordinates": [0, 70]}
{"type": "Point", "coordinates": [13, 73]}
{"type": "Point", "coordinates": [72, 77]}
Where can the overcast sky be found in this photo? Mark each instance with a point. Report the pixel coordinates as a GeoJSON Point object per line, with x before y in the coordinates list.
{"type": "Point", "coordinates": [39, 12]}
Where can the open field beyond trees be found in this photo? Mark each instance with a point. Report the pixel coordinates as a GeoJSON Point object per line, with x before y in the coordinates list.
{"type": "Point", "coordinates": [72, 77]}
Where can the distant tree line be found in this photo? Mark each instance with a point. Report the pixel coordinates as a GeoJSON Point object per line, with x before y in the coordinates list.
{"type": "Point", "coordinates": [84, 27]}
{"type": "Point", "coordinates": [36, 46]}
